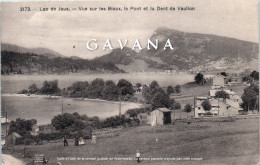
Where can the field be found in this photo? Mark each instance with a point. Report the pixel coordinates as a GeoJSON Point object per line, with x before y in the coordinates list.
{"type": "Point", "coordinates": [234, 142]}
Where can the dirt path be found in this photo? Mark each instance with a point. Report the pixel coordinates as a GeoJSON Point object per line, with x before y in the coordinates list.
{"type": "Point", "coordinates": [10, 160]}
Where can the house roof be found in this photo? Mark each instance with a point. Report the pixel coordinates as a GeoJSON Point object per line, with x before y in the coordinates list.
{"type": "Point", "coordinates": [220, 75]}
{"type": "Point", "coordinates": [233, 104]}
{"type": "Point", "coordinates": [202, 98]}
{"type": "Point", "coordinates": [214, 102]}
{"type": "Point", "coordinates": [164, 110]}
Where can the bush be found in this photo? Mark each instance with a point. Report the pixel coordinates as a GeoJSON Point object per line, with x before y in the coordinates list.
{"type": "Point", "coordinates": [115, 121]}
{"type": "Point", "coordinates": [28, 141]}
{"type": "Point", "coordinates": [134, 112]}
{"type": "Point", "coordinates": [177, 106]}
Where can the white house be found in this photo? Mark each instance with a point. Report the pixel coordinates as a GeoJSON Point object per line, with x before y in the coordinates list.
{"type": "Point", "coordinates": [219, 81]}
{"type": "Point", "coordinates": [219, 107]}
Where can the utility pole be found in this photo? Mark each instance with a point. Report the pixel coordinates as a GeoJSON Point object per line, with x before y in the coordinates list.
{"type": "Point", "coordinates": [218, 107]}
{"type": "Point", "coordinates": [62, 103]}
{"type": "Point", "coordinates": [120, 99]}
{"type": "Point", "coordinates": [6, 127]}
{"type": "Point", "coordinates": [194, 105]}
{"type": "Point", "coordinates": [120, 102]}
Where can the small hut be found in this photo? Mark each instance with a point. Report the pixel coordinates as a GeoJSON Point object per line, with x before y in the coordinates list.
{"type": "Point", "coordinates": [11, 139]}
{"type": "Point", "coordinates": [160, 116]}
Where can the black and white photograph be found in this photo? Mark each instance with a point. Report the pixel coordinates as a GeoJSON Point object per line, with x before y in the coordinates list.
{"type": "Point", "coordinates": [130, 82]}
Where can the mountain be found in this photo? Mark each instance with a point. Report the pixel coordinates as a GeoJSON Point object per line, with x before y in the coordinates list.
{"type": "Point", "coordinates": [192, 51]}
{"type": "Point", "coordinates": [40, 51]}
{"type": "Point", "coordinates": [118, 56]}
{"type": "Point", "coordinates": [19, 60]}
{"type": "Point", "coordinates": [131, 61]}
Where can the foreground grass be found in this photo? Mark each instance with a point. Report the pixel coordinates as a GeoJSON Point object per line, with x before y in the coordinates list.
{"type": "Point", "coordinates": [215, 142]}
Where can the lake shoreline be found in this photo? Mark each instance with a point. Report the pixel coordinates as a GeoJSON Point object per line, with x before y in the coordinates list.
{"type": "Point", "coordinates": [59, 97]}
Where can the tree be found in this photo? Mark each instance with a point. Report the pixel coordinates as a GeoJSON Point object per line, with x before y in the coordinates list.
{"type": "Point", "coordinates": [170, 90]}
{"type": "Point", "coordinates": [177, 105]}
{"type": "Point", "coordinates": [160, 100]}
{"type": "Point", "coordinates": [21, 126]}
{"type": "Point", "coordinates": [125, 87]}
{"type": "Point", "coordinates": [95, 88]}
{"type": "Point", "coordinates": [199, 78]}
{"type": "Point", "coordinates": [154, 85]}
{"type": "Point", "coordinates": [138, 85]}
{"type": "Point", "coordinates": [174, 105]}
{"type": "Point", "coordinates": [32, 88]}
{"type": "Point", "coordinates": [188, 109]}
{"type": "Point", "coordinates": [78, 89]}
{"type": "Point", "coordinates": [50, 87]}
{"type": "Point", "coordinates": [110, 91]}
{"type": "Point", "coordinates": [206, 105]}
{"type": "Point", "coordinates": [255, 75]}
{"type": "Point", "coordinates": [63, 121]}
{"type": "Point", "coordinates": [178, 88]}
{"type": "Point", "coordinates": [222, 94]}
{"type": "Point", "coordinates": [223, 74]}
{"type": "Point", "coordinates": [250, 98]}
{"type": "Point", "coordinates": [146, 93]}
{"type": "Point", "coordinates": [132, 113]}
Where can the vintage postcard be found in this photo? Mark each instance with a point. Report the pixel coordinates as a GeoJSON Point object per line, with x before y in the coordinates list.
{"type": "Point", "coordinates": [130, 82]}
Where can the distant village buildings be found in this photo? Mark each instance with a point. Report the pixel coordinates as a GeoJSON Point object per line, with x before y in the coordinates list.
{"type": "Point", "coordinates": [219, 107]}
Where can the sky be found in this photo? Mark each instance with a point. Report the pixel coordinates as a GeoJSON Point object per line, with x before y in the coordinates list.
{"type": "Point", "coordinates": [67, 32]}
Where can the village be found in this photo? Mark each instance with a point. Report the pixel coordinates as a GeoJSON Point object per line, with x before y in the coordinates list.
{"type": "Point", "coordinates": [219, 103]}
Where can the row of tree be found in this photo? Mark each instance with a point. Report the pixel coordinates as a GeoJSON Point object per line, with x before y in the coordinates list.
{"type": "Point", "coordinates": [176, 89]}
{"type": "Point", "coordinates": [48, 88]}
{"type": "Point", "coordinates": [101, 89]}
{"type": "Point", "coordinates": [98, 88]}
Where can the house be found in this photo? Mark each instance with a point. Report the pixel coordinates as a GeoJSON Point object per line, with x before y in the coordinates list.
{"type": "Point", "coordinates": [219, 108]}
{"type": "Point", "coordinates": [11, 139]}
{"type": "Point", "coordinates": [233, 96]}
{"type": "Point", "coordinates": [160, 116]}
{"type": "Point", "coordinates": [219, 81]}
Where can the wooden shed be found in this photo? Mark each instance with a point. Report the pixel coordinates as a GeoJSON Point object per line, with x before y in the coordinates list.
{"type": "Point", "coordinates": [11, 139]}
{"type": "Point", "coordinates": [160, 116]}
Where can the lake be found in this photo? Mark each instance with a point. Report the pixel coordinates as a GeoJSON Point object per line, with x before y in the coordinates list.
{"type": "Point", "coordinates": [43, 109]}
